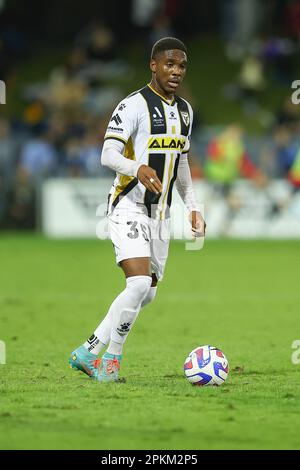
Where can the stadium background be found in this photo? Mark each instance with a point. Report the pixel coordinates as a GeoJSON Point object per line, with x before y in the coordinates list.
{"type": "Point", "coordinates": [65, 65]}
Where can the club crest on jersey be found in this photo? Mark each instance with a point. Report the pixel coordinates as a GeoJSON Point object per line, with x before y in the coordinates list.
{"type": "Point", "coordinates": [186, 118]}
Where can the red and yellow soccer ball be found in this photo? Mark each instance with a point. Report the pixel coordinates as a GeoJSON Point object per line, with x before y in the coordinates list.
{"type": "Point", "coordinates": [206, 365]}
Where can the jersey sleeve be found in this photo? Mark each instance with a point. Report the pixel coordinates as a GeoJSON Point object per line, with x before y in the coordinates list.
{"type": "Point", "coordinates": [188, 140]}
{"type": "Point", "coordinates": [123, 121]}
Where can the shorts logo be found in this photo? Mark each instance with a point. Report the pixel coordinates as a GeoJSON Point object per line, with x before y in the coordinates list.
{"type": "Point", "coordinates": [185, 116]}
{"type": "Point", "coordinates": [124, 328]}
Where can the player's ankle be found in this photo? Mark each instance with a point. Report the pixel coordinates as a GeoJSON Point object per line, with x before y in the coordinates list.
{"type": "Point", "coordinates": [94, 345]}
{"type": "Point", "coordinates": [115, 348]}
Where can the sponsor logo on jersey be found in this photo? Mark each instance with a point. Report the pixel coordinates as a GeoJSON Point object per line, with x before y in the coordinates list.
{"type": "Point", "coordinates": [172, 115]}
{"type": "Point", "coordinates": [121, 107]}
{"type": "Point", "coordinates": [158, 112]}
{"type": "Point", "coordinates": [115, 129]}
{"type": "Point", "coordinates": [116, 118]}
{"type": "Point", "coordinates": [158, 119]}
{"type": "Point", "coordinates": [166, 143]}
{"type": "Point", "coordinates": [185, 116]}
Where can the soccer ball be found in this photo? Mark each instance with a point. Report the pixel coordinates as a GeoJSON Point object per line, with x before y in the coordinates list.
{"type": "Point", "coordinates": [206, 365]}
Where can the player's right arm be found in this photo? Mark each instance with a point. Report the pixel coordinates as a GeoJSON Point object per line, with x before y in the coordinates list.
{"type": "Point", "coordinates": [123, 124]}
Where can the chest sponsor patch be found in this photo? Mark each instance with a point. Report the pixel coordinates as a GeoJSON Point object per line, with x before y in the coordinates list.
{"type": "Point", "coordinates": [166, 143]}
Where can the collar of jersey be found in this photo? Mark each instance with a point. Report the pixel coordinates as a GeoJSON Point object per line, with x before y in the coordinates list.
{"type": "Point", "coordinates": [161, 97]}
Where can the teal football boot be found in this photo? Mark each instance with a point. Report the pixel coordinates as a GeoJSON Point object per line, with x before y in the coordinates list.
{"type": "Point", "coordinates": [109, 368]}
{"type": "Point", "coordinates": [82, 359]}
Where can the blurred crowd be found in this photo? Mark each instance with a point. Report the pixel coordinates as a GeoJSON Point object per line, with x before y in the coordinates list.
{"type": "Point", "coordinates": [60, 133]}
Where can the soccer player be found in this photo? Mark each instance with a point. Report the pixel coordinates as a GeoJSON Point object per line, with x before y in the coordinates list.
{"type": "Point", "coordinates": [146, 143]}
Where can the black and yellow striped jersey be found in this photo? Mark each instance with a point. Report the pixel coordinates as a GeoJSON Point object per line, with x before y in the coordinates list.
{"type": "Point", "coordinates": [155, 132]}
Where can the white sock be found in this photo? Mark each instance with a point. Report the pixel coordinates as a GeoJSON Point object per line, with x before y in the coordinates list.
{"type": "Point", "coordinates": [125, 310]}
{"type": "Point", "coordinates": [115, 348]}
{"type": "Point", "coordinates": [101, 336]}
{"type": "Point", "coordinates": [94, 345]}
{"type": "Point", "coordinates": [149, 297]}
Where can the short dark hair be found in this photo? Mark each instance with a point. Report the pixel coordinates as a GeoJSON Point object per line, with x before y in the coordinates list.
{"type": "Point", "coordinates": [167, 44]}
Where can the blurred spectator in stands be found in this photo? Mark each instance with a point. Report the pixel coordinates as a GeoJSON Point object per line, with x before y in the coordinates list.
{"type": "Point", "coordinates": [8, 154]}
{"type": "Point", "coordinates": [97, 42]}
{"type": "Point", "coordinates": [73, 161]}
{"type": "Point", "coordinates": [251, 83]}
{"type": "Point", "coordinates": [35, 115]}
{"type": "Point", "coordinates": [227, 158]}
{"type": "Point", "coordinates": [90, 154]}
{"type": "Point", "coordinates": [75, 63]}
{"type": "Point", "coordinates": [194, 162]}
{"type": "Point", "coordinates": [240, 21]}
{"type": "Point", "coordinates": [82, 152]}
{"type": "Point", "coordinates": [4, 60]}
{"type": "Point", "coordinates": [38, 158]}
{"type": "Point", "coordinates": [279, 55]}
{"type": "Point", "coordinates": [58, 123]}
{"type": "Point", "coordinates": [165, 16]}
{"type": "Point", "coordinates": [143, 12]}
{"type": "Point", "coordinates": [292, 19]}
{"type": "Point", "coordinates": [8, 150]}
{"type": "Point", "coordinates": [161, 27]}
{"type": "Point", "coordinates": [287, 154]}
{"type": "Point", "coordinates": [289, 115]}
{"type": "Point", "coordinates": [66, 92]}
{"type": "Point", "coordinates": [248, 86]}
{"type": "Point", "coordinates": [91, 151]}
{"type": "Point", "coordinates": [13, 47]}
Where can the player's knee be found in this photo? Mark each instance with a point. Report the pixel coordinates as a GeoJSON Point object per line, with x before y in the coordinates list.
{"type": "Point", "coordinates": [150, 296]}
{"type": "Point", "coordinates": [139, 286]}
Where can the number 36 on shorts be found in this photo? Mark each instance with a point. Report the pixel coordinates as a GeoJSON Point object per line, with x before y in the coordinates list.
{"type": "Point", "coordinates": [137, 228]}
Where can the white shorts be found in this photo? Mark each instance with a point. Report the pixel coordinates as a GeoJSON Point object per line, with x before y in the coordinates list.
{"type": "Point", "coordinates": [135, 235]}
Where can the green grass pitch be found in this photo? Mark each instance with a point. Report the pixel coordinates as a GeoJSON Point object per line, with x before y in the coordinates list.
{"type": "Point", "coordinates": [243, 297]}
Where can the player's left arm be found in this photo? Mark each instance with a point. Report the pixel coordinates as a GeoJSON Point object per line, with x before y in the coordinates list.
{"type": "Point", "coordinates": [184, 186]}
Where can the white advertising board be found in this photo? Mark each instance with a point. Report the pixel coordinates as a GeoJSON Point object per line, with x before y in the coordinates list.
{"type": "Point", "coordinates": [76, 208]}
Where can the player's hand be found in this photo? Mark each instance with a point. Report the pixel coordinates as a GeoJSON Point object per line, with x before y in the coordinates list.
{"type": "Point", "coordinates": [148, 177]}
{"type": "Point", "coordinates": [198, 224]}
